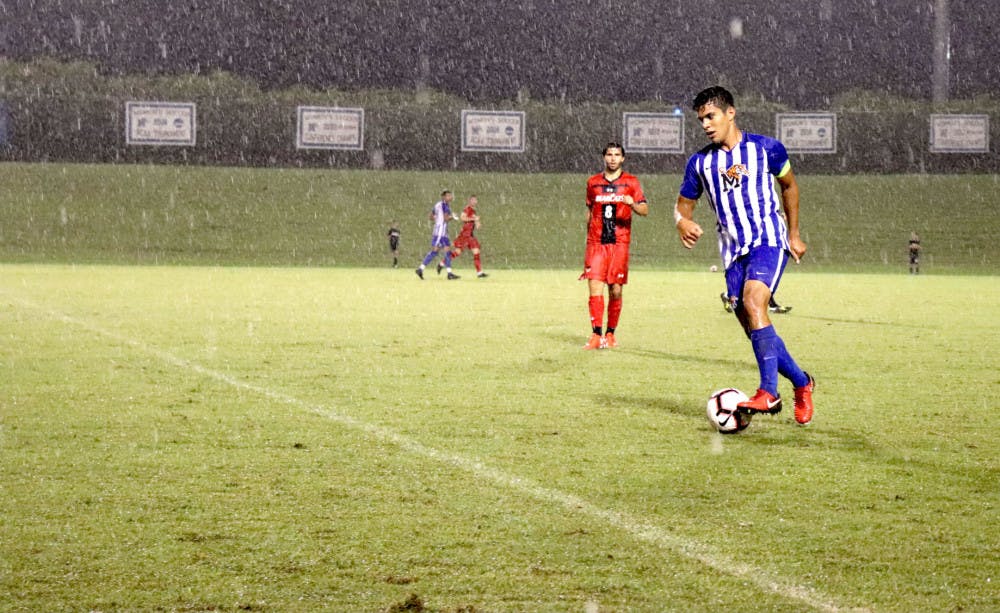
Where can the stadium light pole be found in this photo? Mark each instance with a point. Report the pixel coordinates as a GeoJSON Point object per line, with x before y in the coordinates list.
{"type": "Point", "coordinates": [942, 52]}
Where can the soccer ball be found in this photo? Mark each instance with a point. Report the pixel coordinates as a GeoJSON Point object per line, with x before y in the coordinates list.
{"type": "Point", "coordinates": [722, 412]}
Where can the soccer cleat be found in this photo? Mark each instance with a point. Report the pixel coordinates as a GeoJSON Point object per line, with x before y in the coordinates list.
{"type": "Point", "coordinates": [420, 273]}
{"type": "Point", "coordinates": [725, 303]}
{"type": "Point", "coordinates": [610, 341]}
{"type": "Point", "coordinates": [596, 342]}
{"type": "Point", "coordinates": [481, 275]}
{"type": "Point", "coordinates": [804, 402]}
{"type": "Point", "coordinates": [452, 276]}
{"type": "Point", "coordinates": [761, 402]}
{"type": "Point", "coordinates": [439, 267]}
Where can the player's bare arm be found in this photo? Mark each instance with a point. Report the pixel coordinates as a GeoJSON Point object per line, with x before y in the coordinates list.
{"type": "Point", "coordinates": [790, 202]}
{"type": "Point", "coordinates": [687, 228]}
{"type": "Point", "coordinates": [640, 208]}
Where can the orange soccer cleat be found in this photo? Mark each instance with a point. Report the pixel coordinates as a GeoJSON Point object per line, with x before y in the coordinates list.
{"type": "Point", "coordinates": [610, 341]}
{"type": "Point", "coordinates": [761, 402]}
{"type": "Point", "coordinates": [804, 402]}
{"type": "Point", "coordinates": [596, 342]}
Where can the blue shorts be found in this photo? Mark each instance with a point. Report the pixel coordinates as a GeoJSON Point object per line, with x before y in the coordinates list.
{"type": "Point", "coordinates": [764, 264]}
{"type": "Point", "coordinates": [440, 241]}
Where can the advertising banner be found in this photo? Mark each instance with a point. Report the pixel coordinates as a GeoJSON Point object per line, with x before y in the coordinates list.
{"type": "Point", "coordinates": [330, 128]}
{"type": "Point", "coordinates": [807, 132]}
{"type": "Point", "coordinates": [960, 134]}
{"type": "Point", "coordinates": [160, 123]}
{"type": "Point", "coordinates": [501, 131]}
{"type": "Point", "coordinates": [652, 133]}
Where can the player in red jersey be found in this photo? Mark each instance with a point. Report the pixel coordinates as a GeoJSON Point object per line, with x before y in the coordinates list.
{"type": "Point", "coordinates": [466, 239]}
{"type": "Point", "coordinates": [612, 197]}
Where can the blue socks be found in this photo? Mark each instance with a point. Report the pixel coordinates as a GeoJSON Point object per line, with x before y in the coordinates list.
{"type": "Point", "coordinates": [764, 350]}
{"type": "Point", "coordinates": [773, 358]}
{"type": "Point", "coordinates": [431, 255]}
{"type": "Point", "coordinates": [787, 366]}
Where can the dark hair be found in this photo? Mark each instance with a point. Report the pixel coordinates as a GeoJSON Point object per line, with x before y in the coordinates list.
{"type": "Point", "coordinates": [613, 145]}
{"type": "Point", "coordinates": [445, 192]}
{"type": "Point", "coordinates": [717, 95]}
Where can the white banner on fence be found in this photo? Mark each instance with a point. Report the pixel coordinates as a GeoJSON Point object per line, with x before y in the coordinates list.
{"type": "Point", "coordinates": [160, 123]}
{"type": "Point", "coordinates": [652, 133]}
{"type": "Point", "coordinates": [960, 133]}
{"type": "Point", "coordinates": [807, 132]}
{"type": "Point", "coordinates": [493, 131]}
{"type": "Point", "coordinates": [321, 127]}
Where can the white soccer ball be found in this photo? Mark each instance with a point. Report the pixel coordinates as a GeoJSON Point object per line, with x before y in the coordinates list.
{"type": "Point", "coordinates": [713, 268]}
{"type": "Point", "coordinates": [722, 412]}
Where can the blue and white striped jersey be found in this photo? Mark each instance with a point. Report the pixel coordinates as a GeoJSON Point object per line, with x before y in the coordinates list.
{"type": "Point", "coordinates": [442, 215]}
{"type": "Point", "coordinates": [741, 187]}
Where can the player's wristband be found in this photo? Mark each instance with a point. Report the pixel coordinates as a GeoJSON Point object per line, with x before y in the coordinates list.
{"type": "Point", "coordinates": [677, 216]}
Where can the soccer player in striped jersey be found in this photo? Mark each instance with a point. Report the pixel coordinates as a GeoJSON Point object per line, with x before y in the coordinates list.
{"type": "Point", "coordinates": [441, 214]}
{"type": "Point", "coordinates": [612, 197]}
{"type": "Point", "coordinates": [741, 174]}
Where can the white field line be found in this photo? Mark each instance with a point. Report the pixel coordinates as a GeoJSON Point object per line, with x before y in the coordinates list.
{"type": "Point", "coordinates": [638, 528]}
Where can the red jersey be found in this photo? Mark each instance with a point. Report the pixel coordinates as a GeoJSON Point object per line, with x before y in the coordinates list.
{"type": "Point", "coordinates": [610, 218]}
{"type": "Point", "coordinates": [470, 226]}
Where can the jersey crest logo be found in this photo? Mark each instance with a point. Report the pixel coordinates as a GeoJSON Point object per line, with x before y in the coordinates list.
{"type": "Point", "coordinates": [732, 176]}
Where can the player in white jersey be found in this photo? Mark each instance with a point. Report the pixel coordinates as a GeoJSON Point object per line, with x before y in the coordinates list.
{"type": "Point", "coordinates": [441, 214]}
{"type": "Point", "coordinates": [739, 172]}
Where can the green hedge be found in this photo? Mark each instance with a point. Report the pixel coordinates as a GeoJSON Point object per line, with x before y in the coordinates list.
{"type": "Point", "coordinates": [70, 112]}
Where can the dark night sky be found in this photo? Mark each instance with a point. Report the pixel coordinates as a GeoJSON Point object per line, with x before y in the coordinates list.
{"type": "Point", "coordinates": [625, 50]}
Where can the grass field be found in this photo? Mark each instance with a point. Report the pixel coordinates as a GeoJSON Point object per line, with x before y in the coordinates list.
{"type": "Point", "coordinates": [351, 439]}
{"type": "Point", "coordinates": [284, 217]}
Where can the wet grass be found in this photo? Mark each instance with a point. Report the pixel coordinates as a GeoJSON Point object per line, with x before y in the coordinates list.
{"type": "Point", "coordinates": [353, 439]}
{"type": "Point", "coordinates": [284, 217]}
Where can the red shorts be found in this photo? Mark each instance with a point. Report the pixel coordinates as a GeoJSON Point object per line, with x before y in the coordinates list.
{"type": "Point", "coordinates": [608, 263]}
{"type": "Point", "coordinates": [466, 242]}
